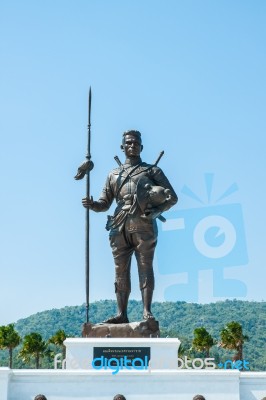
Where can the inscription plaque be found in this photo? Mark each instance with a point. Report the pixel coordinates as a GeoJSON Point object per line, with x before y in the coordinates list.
{"type": "Point", "coordinates": [120, 352]}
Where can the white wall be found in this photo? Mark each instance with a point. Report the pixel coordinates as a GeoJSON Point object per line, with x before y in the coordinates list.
{"type": "Point", "coordinates": [252, 385]}
{"type": "Point", "coordinates": [144, 385]}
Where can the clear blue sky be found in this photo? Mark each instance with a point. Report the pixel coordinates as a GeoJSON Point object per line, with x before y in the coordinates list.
{"type": "Point", "coordinates": [190, 75]}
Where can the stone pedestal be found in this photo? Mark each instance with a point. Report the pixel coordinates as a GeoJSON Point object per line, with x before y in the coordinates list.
{"type": "Point", "coordinates": [142, 329]}
{"type": "Point", "coordinates": [140, 353]}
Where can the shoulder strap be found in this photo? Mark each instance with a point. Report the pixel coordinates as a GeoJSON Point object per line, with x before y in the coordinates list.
{"type": "Point", "coordinates": [128, 175]}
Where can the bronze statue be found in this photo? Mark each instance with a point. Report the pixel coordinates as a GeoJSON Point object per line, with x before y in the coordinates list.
{"type": "Point", "coordinates": [142, 193]}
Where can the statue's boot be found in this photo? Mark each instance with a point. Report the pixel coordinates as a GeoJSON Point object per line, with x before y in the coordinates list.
{"type": "Point", "coordinates": [146, 294]}
{"type": "Point", "coordinates": [121, 317]}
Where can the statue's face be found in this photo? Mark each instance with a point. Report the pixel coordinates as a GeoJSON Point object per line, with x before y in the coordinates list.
{"type": "Point", "coordinates": [132, 146]}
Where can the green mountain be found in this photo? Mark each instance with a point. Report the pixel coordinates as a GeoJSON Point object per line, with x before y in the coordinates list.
{"type": "Point", "coordinates": [177, 319]}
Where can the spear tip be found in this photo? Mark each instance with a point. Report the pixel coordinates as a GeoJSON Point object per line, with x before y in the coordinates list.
{"type": "Point", "coordinates": [89, 113]}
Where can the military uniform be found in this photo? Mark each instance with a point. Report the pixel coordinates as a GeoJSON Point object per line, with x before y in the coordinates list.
{"type": "Point", "coordinates": [130, 230]}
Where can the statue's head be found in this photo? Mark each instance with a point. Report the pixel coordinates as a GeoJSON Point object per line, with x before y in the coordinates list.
{"type": "Point", "coordinates": [134, 133]}
{"type": "Point", "coordinates": [131, 139]}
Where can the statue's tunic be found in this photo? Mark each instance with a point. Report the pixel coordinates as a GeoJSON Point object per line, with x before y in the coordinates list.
{"type": "Point", "coordinates": [130, 231]}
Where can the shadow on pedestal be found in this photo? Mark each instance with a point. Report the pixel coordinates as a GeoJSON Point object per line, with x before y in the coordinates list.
{"type": "Point", "coordinates": [141, 329]}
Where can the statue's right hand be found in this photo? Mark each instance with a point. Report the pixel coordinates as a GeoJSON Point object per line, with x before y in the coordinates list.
{"type": "Point", "coordinates": [87, 202]}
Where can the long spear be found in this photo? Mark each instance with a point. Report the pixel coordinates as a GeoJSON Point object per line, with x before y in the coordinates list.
{"type": "Point", "coordinates": [83, 170]}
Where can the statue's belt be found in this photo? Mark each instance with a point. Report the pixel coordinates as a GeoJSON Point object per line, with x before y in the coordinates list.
{"type": "Point", "coordinates": [126, 206]}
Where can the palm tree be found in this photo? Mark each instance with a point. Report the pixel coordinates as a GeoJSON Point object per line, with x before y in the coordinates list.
{"type": "Point", "coordinates": [202, 341]}
{"type": "Point", "coordinates": [9, 339]}
{"type": "Point", "coordinates": [58, 339]}
{"type": "Point", "coordinates": [232, 338]}
{"type": "Point", "coordinates": [33, 346]}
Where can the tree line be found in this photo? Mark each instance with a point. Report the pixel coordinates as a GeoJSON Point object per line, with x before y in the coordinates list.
{"type": "Point", "coordinates": [35, 347]}
{"type": "Point", "coordinates": [176, 319]}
